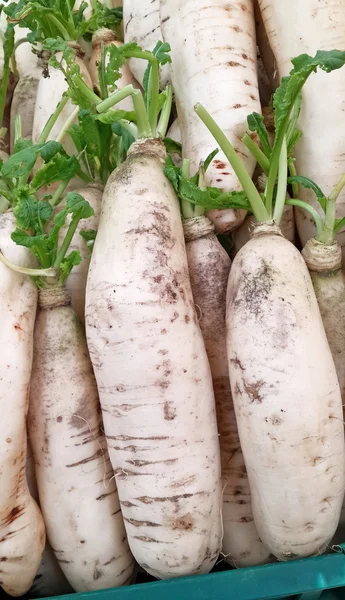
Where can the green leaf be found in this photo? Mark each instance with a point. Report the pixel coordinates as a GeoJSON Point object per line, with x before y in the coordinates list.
{"type": "Point", "coordinates": [210, 158]}
{"type": "Point", "coordinates": [22, 144]}
{"type": "Point", "coordinates": [25, 209]}
{"type": "Point", "coordinates": [172, 146]}
{"type": "Point", "coordinates": [293, 139]}
{"type": "Point", "coordinates": [21, 163]}
{"type": "Point", "coordinates": [36, 243]}
{"type": "Point", "coordinates": [116, 115]}
{"type": "Point", "coordinates": [120, 130]}
{"type": "Point", "coordinates": [303, 66]}
{"type": "Point", "coordinates": [75, 203]}
{"type": "Point", "coordinates": [49, 150]}
{"type": "Point", "coordinates": [70, 261]}
{"type": "Point", "coordinates": [59, 168]}
{"type": "Point", "coordinates": [339, 224]}
{"type": "Point", "coordinates": [160, 52]}
{"type": "Point", "coordinates": [172, 172]}
{"type": "Point", "coordinates": [89, 235]}
{"type": "Point", "coordinates": [60, 218]}
{"type": "Point", "coordinates": [256, 123]}
{"type": "Point", "coordinates": [45, 210]}
{"type": "Point", "coordinates": [309, 184]}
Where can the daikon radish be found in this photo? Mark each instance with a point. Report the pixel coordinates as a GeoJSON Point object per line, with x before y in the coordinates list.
{"type": "Point", "coordinates": [26, 59]}
{"type": "Point", "coordinates": [23, 103]}
{"type": "Point", "coordinates": [142, 25]}
{"type": "Point", "coordinates": [288, 35]}
{"type": "Point", "coordinates": [152, 371]}
{"type": "Point", "coordinates": [22, 532]}
{"type": "Point", "coordinates": [49, 579]}
{"type": "Point", "coordinates": [283, 378]}
{"type": "Point", "coordinates": [213, 53]}
{"type": "Point", "coordinates": [209, 267]}
{"type": "Point", "coordinates": [107, 37]}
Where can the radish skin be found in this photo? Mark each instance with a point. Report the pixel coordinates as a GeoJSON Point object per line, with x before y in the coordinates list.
{"type": "Point", "coordinates": [76, 282]}
{"type": "Point", "coordinates": [152, 372]}
{"type": "Point", "coordinates": [209, 267]}
{"type": "Point", "coordinates": [49, 579]}
{"type": "Point", "coordinates": [23, 103]}
{"type": "Point", "coordinates": [324, 265]}
{"type": "Point", "coordinates": [26, 60]}
{"type": "Point", "coordinates": [322, 105]}
{"type": "Point", "coordinates": [107, 37]}
{"type": "Point", "coordinates": [286, 397]}
{"type": "Point", "coordinates": [213, 55]}
{"type": "Point", "coordinates": [22, 532]}
{"type": "Point", "coordinates": [142, 25]}
{"type": "Point", "coordinates": [77, 491]}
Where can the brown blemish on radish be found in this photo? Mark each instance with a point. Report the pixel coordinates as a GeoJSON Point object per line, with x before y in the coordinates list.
{"type": "Point", "coordinates": [88, 459]}
{"type": "Point", "coordinates": [169, 411]}
{"type": "Point", "coordinates": [145, 538]}
{"type": "Point", "coordinates": [184, 523]}
{"type": "Point", "coordinates": [219, 164]}
{"type": "Point", "coordinates": [137, 523]}
{"type": "Point", "coordinates": [253, 391]}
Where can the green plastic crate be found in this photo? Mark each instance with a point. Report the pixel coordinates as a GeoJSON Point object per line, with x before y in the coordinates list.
{"type": "Point", "coordinates": [319, 578]}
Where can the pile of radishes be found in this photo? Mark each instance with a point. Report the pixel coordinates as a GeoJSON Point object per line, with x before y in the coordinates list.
{"type": "Point", "coordinates": [172, 374]}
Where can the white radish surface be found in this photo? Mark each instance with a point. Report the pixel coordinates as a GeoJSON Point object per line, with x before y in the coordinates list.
{"type": "Point", "coordinates": [26, 59]}
{"type": "Point", "coordinates": [152, 372]}
{"type": "Point", "coordinates": [213, 53]}
{"type": "Point", "coordinates": [76, 282]}
{"type": "Point", "coordinates": [323, 106]}
{"type": "Point", "coordinates": [22, 532]}
{"type": "Point", "coordinates": [108, 37]}
{"type": "Point", "coordinates": [49, 93]}
{"type": "Point", "coordinates": [141, 22]}
{"type": "Point", "coordinates": [49, 579]}
{"type": "Point", "coordinates": [23, 103]}
{"type": "Point", "coordinates": [286, 397]}
{"type": "Point", "coordinates": [75, 481]}
{"type": "Point", "coordinates": [209, 267]}
{"type": "Point", "coordinates": [324, 264]}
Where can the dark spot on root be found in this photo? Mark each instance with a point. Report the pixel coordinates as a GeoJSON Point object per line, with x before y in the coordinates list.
{"type": "Point", "coordinates": [236, 361]}
{"type": "Point", "coordinates": [164, 331]}
{"type": "Point", "coordinates": [97, 574]}
{"type": "Point", "coordinates": [233, 63]}
{"type": "Point", "coordinates": [253, 290]}
{"type": "Point", "coordinates": [219, 164]}
{"type": "Point", "coordinates": [137, 523]}
{"type": "Point", "coordinates": [246, 82]}
{"type": "Point", "coordinates": [169, 411]}
{"type": "Point", "coordinates": [184, 523]}
{"type": "Point", "coordinates": [187, 319]}
{"type": "Point", "coordinates": [59, 419]}
{"type": "Point", "coordinates": [253, 391]}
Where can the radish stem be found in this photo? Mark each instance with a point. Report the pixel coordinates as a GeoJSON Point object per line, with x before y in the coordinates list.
{"type": "Point", "coordinates": [51, 272]}
{"type": "Point", "coordinates": [165, 113]}
{"type": "Point", "coordinates": [52, 120]}
{"type": "Point", "coordinates": [259, 210]}
{"type": "Point", "coordinates": [311, 211]}
{"type": "Point", "coordinates": [282, 183]}
{"type": "Point", "coordinates": [187, 209]}
{"type": "Point", "coordinates": [259, 156]}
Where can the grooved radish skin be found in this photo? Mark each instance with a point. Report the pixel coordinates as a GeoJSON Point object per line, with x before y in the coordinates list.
{"type": "Point", "coordinates": [76, 282]}
{"type": "Point", "coordinates": [142, 25]}
{"type": "Point", "coordinates": [74, 476]}
{"type": "Point", "coordinates": [243, 233]}
{"type": "Point", "coordinates": [209, 267]}
{"type": "Point", "coordinates": [152, 372]}
{"type": "Point", "coordinates": [213, 55]}
{"type": "Point", "coordinates": [324, 264]}
{"type": "Point", "coordinates": [107, 37]}
{"type": "Point", "coordinates": [23, 103]}
{"type": "Point", "coordinates": [286, 397]}
{"type": "Point", "coordinates": [22, 533]}
{"type": "Point", "coordinates": [49, 579]}
{"type": "Point", "coordinates": [288, 36]}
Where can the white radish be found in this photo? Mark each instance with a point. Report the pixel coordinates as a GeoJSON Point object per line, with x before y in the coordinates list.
{"type": "Point", "coordinates": [286, 397]}
{"type": "Point", "coordinates": [76, 282]}
{"type": "Point", "coordinates": [107, 37]}
{"type": "Point", "coordinates": [213, 55]}
{"type": "Point", "coordinates": [22, 532]}
{"type": "Point", "coordinates": [324, 263]}
{"type": "Point", "coordinates": [209, 267]}
{"type": "Point", "coordinates": [152, 372]}
{"type": "Point", "coordinates": [49, 579]}
{"type": "Point", "coordinates": [75, 481]}
{"type": "Point", "coordinates": [23, 103]}
{"type": "Point", "coordinates": [26, 59]}
{"type": "Point", "coordinates": [142, 25]}
{"type": "Point", "coordinates": [323, 105]}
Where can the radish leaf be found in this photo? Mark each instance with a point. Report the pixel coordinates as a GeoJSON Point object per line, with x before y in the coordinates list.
{"type": "Point", "coordinates": [256, 123]}
{"type": "Point", "coordinates": [309, 184]}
